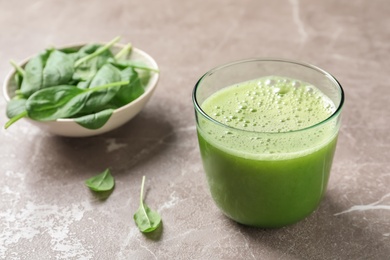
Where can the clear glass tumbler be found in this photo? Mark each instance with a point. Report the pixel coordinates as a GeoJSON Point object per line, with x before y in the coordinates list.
{"type": "Point", "coordinates": [267, 178]}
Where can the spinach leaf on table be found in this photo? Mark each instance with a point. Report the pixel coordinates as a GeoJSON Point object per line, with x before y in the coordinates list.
{"type": "Point", "coordinates": [101, 182]}
{"type": "Point", "coordinates": [147, 220]}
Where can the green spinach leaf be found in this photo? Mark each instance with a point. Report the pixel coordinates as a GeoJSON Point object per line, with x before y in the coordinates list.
{"type": "Point", "coordinates": [129, 92]}
{"type": "Point", "coordinates": [15, 107]}
{"type": "Point", "coordinates": [95, 121]}
{"type": "Point", "coordinates": [87, 70]}
{"type": "Point", "coordinates": [146, 219]}
{"type": "Point", "coordinates": [33, 78]}
{"type": "Point", "coordinates": [99, 98]}
{"type": "Point", "coordinates": [55, 102]}
{"type": "Point", "coordinates": [58, 69]}
{"type": "Point", "coordinates": [102, 182]}
{"type": "Point", "coordinates": [50, 68]}
{"type": "Point", "coordinates": [66, 101]}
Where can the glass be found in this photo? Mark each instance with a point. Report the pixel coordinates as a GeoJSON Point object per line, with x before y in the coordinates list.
{"type": "Point", "coordinates": [267, 179]}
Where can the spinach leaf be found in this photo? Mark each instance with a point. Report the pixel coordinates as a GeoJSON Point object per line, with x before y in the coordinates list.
{"type": "Point", "coordinates": [15, 107]}
{"type": "Point", "coordinates": [106, 74]}
{"type": "Point", "coordinates": [50, 68]}
{"type": "Point", "coordinates": [146, 219]}
{"type": "Point", "coordinates": [88, 49]}
{"type": "Point", "coordinates": [33, 77]}
{"type": "Point", "coordinates": [58, 69]}
{"type": "Point", "coordinates": [144, 72]}
{"type": "Point", "coordinates": [86, 70]}
{"type": "Point", "coordinates": [70, 50]}
{"type": "Point", "coordinates": [66, 101]}
{"type": "Point", "coordinates": [102, 182]}
{"type": "Point", "coordinates": [99, 98]}
{"type": "Point", "coordinates": [55, 102]}
{"type": "Point", "coordinates": [75, 53]}
{"type": "Point", "coordinates": [128, 92]}
{"type": "Point", "coordinates": [95, 121]}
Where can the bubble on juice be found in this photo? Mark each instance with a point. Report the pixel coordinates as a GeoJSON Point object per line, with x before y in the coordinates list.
{"type": "Point", "coordinates": [269, 82]}
{"type": "Point", "coordinates": [309, 89]}
{"type": "Point", "coordinates": [295, 84]}
{"type": "Point", "coordinates": [281, 90]}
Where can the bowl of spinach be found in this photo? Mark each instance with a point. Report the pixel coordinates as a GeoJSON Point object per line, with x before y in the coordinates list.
{"type": "Point", "coordinates": [81, 90]}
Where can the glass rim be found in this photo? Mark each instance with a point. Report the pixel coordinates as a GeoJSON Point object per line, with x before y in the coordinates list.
{"type": "Point", "coordinates": [303, 64]}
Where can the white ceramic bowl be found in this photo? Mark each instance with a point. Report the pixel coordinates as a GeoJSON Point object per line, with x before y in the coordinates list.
{"type": "Point", "coordinates": [68, 127]}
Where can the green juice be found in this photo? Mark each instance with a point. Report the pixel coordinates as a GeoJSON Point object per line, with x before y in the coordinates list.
{"type": "Point", "coordinates": [266, 160]}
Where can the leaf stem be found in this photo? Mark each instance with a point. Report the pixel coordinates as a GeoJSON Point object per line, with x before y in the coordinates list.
{"type": "Point", "coordinates": [142, 193]}
{"type": "Point", "coordinates": [143, 68]}
{"type": "Point", "coordinates": [97, 52]}
{"type": "Point", "coordinates": [124, 51]}
{"type": "Point", "coordinates": [19, 69]}
{"type": "Point", "coordinates": [109, 85]}
{"type": "Point", "coordinates": [142, 201]}
{"type": "Point", "coordinates": [14, 119]}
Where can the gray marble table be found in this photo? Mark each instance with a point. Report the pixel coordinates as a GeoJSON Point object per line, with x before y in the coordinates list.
{"type": "Point", "coordinates": [46, 212]}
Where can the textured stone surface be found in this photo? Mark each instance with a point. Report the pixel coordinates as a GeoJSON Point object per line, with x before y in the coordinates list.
{"type": "Point", "coordinates": [47, 212]}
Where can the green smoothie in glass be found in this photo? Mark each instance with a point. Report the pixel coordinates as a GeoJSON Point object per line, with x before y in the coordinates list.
{"type": "Point", "coordinates": [267, 146]}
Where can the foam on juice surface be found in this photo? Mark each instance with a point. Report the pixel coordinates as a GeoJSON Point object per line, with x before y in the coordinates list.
{"type": "Point", "coordinates": [268, 105]}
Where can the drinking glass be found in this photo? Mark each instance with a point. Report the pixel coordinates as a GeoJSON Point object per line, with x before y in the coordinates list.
{"type": "Point", "coordinates": [271, 179]}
